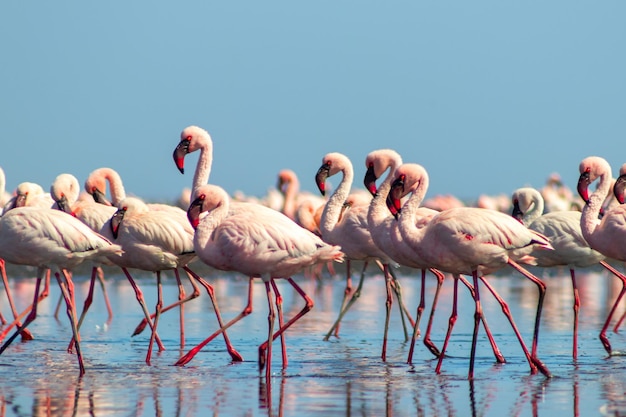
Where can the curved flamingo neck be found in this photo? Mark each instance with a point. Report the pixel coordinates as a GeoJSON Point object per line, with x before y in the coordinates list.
{"type": "Point", "coordinates": [535, 208]}
{"type": "Point", "coordinates": [289, 203]}
{"type": "Point", "coordinates": [591, 211]}
{"type": "Point", "coordinates": [378, 211]}
{"type": "Point", "coordinates": [408, 227]}
{"type": "Point", "coordinates": [332, 211]}
{"type": "Point", "coordinates": [116, 186]}
{"type": "Point", "coordinates": [203, 167]}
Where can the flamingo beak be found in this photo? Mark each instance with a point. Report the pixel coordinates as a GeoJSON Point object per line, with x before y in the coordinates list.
{"type": "Point", "coordinates": [583, 186]}
{"type": "Point", "coordinates": [394, 199]}
{"type": "Point", "coordinates": [179, 154]}
{"type": "Point", "coordinates": [370, 180]}
{"type": "Point", "coordinates": [99, 197]}
{"type": "Point", "coordinates": [194, 210]}
{"type": "Point", "coordinates": [320, 178]}
{"type": "Point", "coordinates": [618, 188]}
{"type": "Point", "coordinates": [63, 205]}
{"type": "Point", "coordinates": [116, 220]}
{"type": "Point", "coordinates": [517, 213]}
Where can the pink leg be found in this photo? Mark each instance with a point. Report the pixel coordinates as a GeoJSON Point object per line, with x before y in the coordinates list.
{"type": "Point", "coordinates": [576, 308]}
{"type": "Point", "coordinates": [420, 309]}
{"type": "Point", "coordinates": [451, 322]}
{"type": "Point", "coordinates": [265, 358]}
{"type": "Point", "coordinates": [157, 315]}
{"type": "Point", "coordinates": [107, 302]}
{"type": "Point", "coordinates": [427, 341]}
{"type": "Point", "coordinates": [603, 338]}
{"type": "Point", "coordinates": [67, 289]}
{"type": "Point", "coordinates": [477, 315]}
{"type": "Point", "coordinates": [31, 316]}
{"type": "Point", "coordinates": [308, 306]}
{"type": "Point", "coordinates": [507, 313]}
{"type": "Point", "coordinates": [542, 293]}
{"type": "Point", "coordinates": [279, 309]}
{"type": "Point", "coordinates": [189, 356]}
{"type": "Point", "coordinates": [142, 303]}
{"type": "Point", "coordinates": [388, 303]}
{"type": "Point", "coordinates": [86, 305]}
{"type": "Point", "coordinates": [26, 334]}
{"type": "Point", "coordinates": [195, 294]}
{"type": "Point", "coordinates": [346, 306]}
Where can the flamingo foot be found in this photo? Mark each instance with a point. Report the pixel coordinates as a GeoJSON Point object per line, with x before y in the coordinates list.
{"type": "Point", "coordinates": [27, 335]}
{"type": "Point", "coordinates": [432, 348]}
{"type": "Point", "coordinates": [606, 344]}
{"type": "Point", "coordinates": [140, 327]}
{"type": "Point", "coordinates": [541, 366]}
{"type": "Point", "coordinates": [236, 357]}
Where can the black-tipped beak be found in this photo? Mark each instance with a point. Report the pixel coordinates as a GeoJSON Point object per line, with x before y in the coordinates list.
{"type": "Point", "coordinates": [370, 180]}
{"type": "Point", "coordinates": [583, 186]}
{"type": "Point", "coordinates": [63, 205]}
{"type": "Point", "coordinates": [116, 220]}
{"type": "Point", "coordinates": [394, 198]}
{"type": "Point", "coordinates": [179, 154]}
{"type": "Point", "coordinates": [619, 188]}
{"type": "Point", "coordinates": [99, 197]}
{"type": "Point", "coordinates": [320, 178]}
{"type": "Point", "coordinates": [194, 210]}
{"type": "Point", "coordinates": [517, 212]}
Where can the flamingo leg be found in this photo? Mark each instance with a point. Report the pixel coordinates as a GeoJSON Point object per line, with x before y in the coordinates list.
{"type": "Point", "coordinates": [105, 294]}
{"type": "Point", "coordinates": [404, 311]}
{"type": "Point", "coordinates": [157, 315]}
{"type": "Point", "coordinates": [31, 316]}
{"type": "Point", "coordinates": [86, 305]}
{"type": "Point", "coordinates": [541, 286]}
{"type": "Point", "coordinates": [388, 303]}
{"type": "Point", "coordinates": [246, 311]}
{"type": "Point", "coordinates": [27, 310]}
{"type": "Point", "coordinates": [576, 309]}
{"type": "Point", "coordinates": [451, 322]}
{"type": "Point", "coordinates": [477, 315]}
{"type": "Point", "coordinates": [26, 334]}
{"type": "Point", "coordinates": [492, 341]}
{"type": "Point", "coordinates": [308, 306]}
{"type": "Point", "coordinates": [67, 289]}
{"type": "Point", "coordinates": [603, 338]}
{"type": "Point", "coordinates": [420, 309]}
{"type": "Point", "coordinates": [279, 309]}
{"type": "Point", "coordinates": [142, 303]}
{"type": "Point", "coordinates": [265, 357]}
{"type": "Point", "coordinates": [195, 294]}
{"type": "Point", "coordinates": [236, 357]}
{"type": "Point", "coordinates": [346, 306]}
{"type": "Point", "coordinates": [507, 313]}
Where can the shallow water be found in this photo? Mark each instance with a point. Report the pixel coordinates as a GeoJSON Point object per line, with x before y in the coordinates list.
{"type": "Point", "coordinates": [344, 376]}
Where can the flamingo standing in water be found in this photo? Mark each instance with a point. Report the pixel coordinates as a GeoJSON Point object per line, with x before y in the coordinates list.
{"type": "Point", "coordinates": [259, 242]}
{"type": "Point", "coordinates": [349, 229]}
{"type": "Point", "coordinates": [606, 234]}
{"type": "Point", "coordinates": [156, 241]}
{"type": "Point", "coordinates": [466, 240]}
{"type": "Point", "coordinates": [96, 186]}
{"type": "Point", "coordinates": [47, 238]}
{"type": "Point", "coordinates": [563, 230]}
{"type": "Point", "coordinates": [387, 236]}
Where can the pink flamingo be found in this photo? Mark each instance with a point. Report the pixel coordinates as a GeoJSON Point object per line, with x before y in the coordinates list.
{"type": "Point", "coordinates": [563, 230]}
{"type": "Point", "coordinates": [156, 241]}
{"type": "Point", "coordinates": [602, 234]}
{"type": "Point", "coordinates": [96, 186]}
{"type": "Point", "coordinates": [349, 229]}
{"type": "Point", "coordinates": [387, 236]}
{"type": "Point", "coordinates": [258, 242]}
{"type": "Point", "coordinates": [466, 240]}
{"type": "Point", "coordinates": [47, 238]}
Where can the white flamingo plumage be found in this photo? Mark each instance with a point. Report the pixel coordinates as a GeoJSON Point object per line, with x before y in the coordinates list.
{"type": "Point", "coordinates": [563, 230]}
{"type": "Point", "coordinates": [349, 229]}
{"type": "Point", "coordinates": [258, 242]}
{"type": "Point", "coordinates": [48, 238]}
{"type": "Point", "coordinates": [466, 240]}
{"type": "Point", "coordinates": [603, 234]}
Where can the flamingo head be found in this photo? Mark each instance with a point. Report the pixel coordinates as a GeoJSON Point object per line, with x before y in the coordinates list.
{"type": "Point", "coordinates": [322, 174]}
{"type": "Point", "coordinates": [619, 188]}
{"type": "Point", "coordinates": [116, 220]}
{"type": "Point", "coordinates": [194, 210]}
{"type": "Point", "coordinates": [370, 179]}
{"type": "Point", "coordinates": [394, 198]}
{"type": "Point", "coordinates": [181, 150]}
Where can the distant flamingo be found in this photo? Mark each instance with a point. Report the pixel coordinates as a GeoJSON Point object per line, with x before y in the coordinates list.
{"type": "Point", "coordinates": [156, 241]}
{"type": "Point", "coordinates": [258, 242]}
{"type": "Point", "coordinates": [602, 234]}
{"type": "Point", "coordinates": [4, 195]}
{"type": "Point", "coordinates": [386, 235]}
{"type": "Point", "coordinates": [466, 240]}
{"type": "Point", "coordinates": [48, 238]}
{"type": "Point", "coordinates": [562, 228]}
{"type": "Point", "coordinates": [349, 230]}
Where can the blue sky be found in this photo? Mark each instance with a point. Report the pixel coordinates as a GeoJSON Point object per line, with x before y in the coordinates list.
{"type": "Point", "coordinates": [487, 95]}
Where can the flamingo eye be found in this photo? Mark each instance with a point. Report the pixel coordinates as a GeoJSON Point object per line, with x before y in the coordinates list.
{"type": "Point", "coordinates": [188, 137]}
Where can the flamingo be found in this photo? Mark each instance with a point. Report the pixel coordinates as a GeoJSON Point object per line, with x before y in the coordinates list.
{"type": "Point", "coordinates": [47, 238]}
{"type": "Point", "coordinates": [386, 235]}
{"type": "Point", "coordinates": [29, 194]}
{"type": "Point", "coordinates": [156, 241]}
{"type": "Point", "coordinates": [258, 242]}
{"type": "Point", "coordinates": [466, 240]}
{"type": "Point", "coordinates": [4, 195]}
{"type": "Point", "coordinates": [65, 191]}
{"type": "Point", "coordinates": [602, 234]}
{"type": "Point", "coordinates": [96, 186]}
{"type": "Point", "coordinates": [349, 230]}
{"type": "Point", "coordinates": [563, 230]}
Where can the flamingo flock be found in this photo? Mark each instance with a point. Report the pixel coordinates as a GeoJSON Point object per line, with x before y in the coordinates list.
{"type": "Point", "coordinates": [389, 224]}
